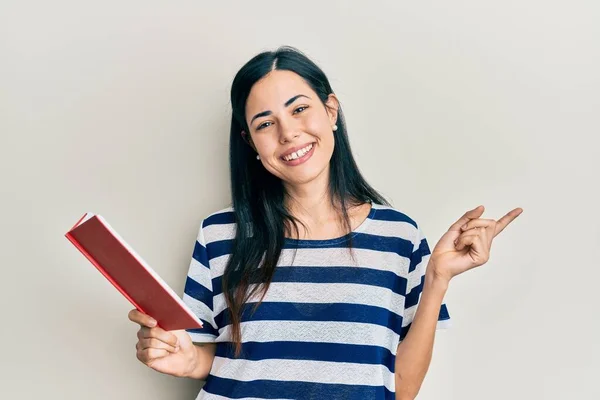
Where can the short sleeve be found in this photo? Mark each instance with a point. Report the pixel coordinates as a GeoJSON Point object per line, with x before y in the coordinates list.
{"type": "Point", "coordinates": [198, 292]}
{"type": "Point", "coordinates": [416, 279]}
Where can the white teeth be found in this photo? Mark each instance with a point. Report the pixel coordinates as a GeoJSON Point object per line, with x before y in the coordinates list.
{"type": "Point", "coordinates": [298, 153]}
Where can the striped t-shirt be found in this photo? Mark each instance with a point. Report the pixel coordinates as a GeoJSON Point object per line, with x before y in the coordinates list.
{"type": "Point", "coordinates": [329, 325]}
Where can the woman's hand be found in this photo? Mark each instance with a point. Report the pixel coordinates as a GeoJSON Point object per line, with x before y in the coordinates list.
{"type": "Point", "coordinates": [467, 243]}
{"type": "Point", "coordinates": [169, 352]}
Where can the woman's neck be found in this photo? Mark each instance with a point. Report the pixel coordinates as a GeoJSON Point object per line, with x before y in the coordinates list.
{"type": "Point", "coordinates": [312, 204]}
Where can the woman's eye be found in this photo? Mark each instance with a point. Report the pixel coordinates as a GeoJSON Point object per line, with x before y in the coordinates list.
{"type": "Point", "coordinates": [267, 124]}
{"type": "Point", "coordinates": [263, 125]}
{"type": "Point", "coordinates": [300, 109]}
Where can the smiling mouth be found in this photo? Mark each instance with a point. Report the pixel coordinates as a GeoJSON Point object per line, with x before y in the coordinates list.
{"type": "Point", "coordinates": [298, 154]}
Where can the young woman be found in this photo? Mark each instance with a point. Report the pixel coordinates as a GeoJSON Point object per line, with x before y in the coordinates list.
{"type": "Point", "coordinates": [308, 285]}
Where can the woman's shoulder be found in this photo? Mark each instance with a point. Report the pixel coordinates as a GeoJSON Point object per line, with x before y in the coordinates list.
{"type": "Point", "coordinates": [388, 220]}
{"type": "Point", "coordinates": [219, 217]}
{"type": "Point", "coordinates": [393, 222]}
{"type": "Point", "coordinates": [392, 214]}
{"type": "Point", "coordinates": [218, 225]}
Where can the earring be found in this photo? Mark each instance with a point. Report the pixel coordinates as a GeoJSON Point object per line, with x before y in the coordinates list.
{"type": "Point", "coordinates": [257, 157]}
{"type": "Point", "coordinates": [334, 128]}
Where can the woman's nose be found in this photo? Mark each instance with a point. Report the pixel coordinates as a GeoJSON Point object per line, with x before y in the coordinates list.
{"type": "Point", "coordinates": [288, 131]}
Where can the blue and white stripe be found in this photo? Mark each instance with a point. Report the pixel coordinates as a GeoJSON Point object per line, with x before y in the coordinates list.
{"type": "Point", "coordinates": [329, 325]}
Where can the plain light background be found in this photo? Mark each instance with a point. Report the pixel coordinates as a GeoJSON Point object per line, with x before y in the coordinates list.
{"type": "Point", "coordinates": [122, 108]}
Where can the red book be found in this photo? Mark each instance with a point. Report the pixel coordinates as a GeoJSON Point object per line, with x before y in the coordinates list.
{"type": "Point", "coordinates": [130, 274]}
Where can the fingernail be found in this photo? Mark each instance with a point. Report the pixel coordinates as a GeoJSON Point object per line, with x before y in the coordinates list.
{"type": "Point", "coordinates": [464, 226]}
{"type": "Point", "coordinates": [152, 322]}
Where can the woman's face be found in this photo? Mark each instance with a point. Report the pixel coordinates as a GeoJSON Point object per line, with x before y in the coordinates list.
{"type": "Point", "coordinates": [290, 127]}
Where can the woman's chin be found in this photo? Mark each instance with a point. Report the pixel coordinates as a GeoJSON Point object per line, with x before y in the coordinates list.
{"type": "Point", "coordinates": [304, 176]}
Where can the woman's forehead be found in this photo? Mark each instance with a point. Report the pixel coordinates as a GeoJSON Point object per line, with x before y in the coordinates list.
{"type": "Point", "coordinates": [272, 91]}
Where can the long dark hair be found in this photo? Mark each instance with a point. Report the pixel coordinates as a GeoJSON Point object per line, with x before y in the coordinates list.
{"type": "Point", "coordinates": [259, 197]}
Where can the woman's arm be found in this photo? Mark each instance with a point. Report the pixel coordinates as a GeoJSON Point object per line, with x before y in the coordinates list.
{"type": "Point", "coordinates": [205, 354]}
{"type": "Point", "coordinates": [414, 352]}
{"type": "Point", "coordinates": [465, 246]}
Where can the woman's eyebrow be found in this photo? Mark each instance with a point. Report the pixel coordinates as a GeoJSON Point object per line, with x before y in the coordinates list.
{"type": "Point", "coordinates": [269, 112]}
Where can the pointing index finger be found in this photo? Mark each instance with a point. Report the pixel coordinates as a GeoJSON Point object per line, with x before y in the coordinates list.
{"type": "Point", "coordinates": [507, 219]}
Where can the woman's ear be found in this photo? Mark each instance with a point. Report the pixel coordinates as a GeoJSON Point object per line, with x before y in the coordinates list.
{"type": "Point", "coordinates": [332, 105]}
{"type": "Point", "coordinates": [248, 139]}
